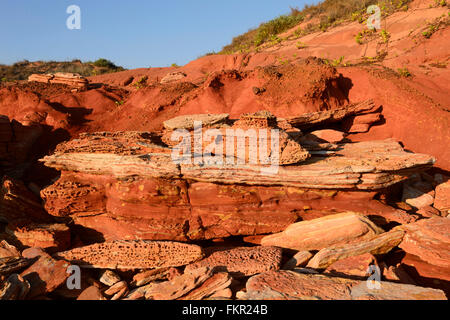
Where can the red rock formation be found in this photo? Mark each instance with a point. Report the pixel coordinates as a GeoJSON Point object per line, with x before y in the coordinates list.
{"type": "Point", "coordinates": [70, 79]}
{"type": "Point", "coordinates": [110, 175]}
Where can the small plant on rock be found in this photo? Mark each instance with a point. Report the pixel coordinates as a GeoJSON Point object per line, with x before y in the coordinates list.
{"type": "Point", "coordinates": [404, 72]}
{"type": "Point", "coordinates": [385, 36]}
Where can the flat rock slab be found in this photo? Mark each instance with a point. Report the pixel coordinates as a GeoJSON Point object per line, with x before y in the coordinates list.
{"type": "Point", "coordinates": [241, 262]}
{"type": "Point", "coordinates": [52, 237]}
{"type": "Point", "coordinates": [442, 199]}
{"type": "Point", "coordinates": [357, 266]}
{"type": "Point", "coordinates": [290, 285]}
{"type": "Point", "coordinates": [187, 122]}
{"type": "Point", "coordinates": [379, 244]}
{"type": "Point", "coordinates": [133, 255]}
{"type": "Point", "coordinates": [45, 275]}
{"type": "Point", "coordinates": [429, 239]}
{"type": "Point", "coordinates": [312, 119]}
{"type": "Point", "coordinates": [324, 232]}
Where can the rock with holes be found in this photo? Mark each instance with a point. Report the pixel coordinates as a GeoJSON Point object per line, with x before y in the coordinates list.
{"type": "Point", "coordinates": [133, 254]}
{"type": "Point", "coordinates": [240, 262]}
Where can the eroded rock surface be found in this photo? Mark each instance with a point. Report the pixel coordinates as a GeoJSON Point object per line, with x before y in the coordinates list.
{"type": "Point", "coordinates": [241, 262]}
{"type": "Point", "coordinates": [290, 285]}
{"type": "Point", "coordinates": [133, 255]}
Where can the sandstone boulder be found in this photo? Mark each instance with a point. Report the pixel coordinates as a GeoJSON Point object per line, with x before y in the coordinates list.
{"type": "Point", "coordinates": [71, 79]}
{"type": "Point", "coordinates": [14, 288]}
{"type": "Point", "coordinates": [324, 232]}
{"type": "Point", "coordinates": [375, 245]}
{"type": "Point", "coordinates": [173, 76]}
{"type": "Point", "coordinates": [91, 293]}
{"type": "Point", "coordinates": [357, 266]}
{"type": "Point", "coordinates": [429, 239]}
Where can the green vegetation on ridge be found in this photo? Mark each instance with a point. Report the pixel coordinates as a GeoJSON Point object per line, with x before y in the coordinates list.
{"type": "Point", "coordinates": [320, 17]}
{"type": "Point", "coordinates": [23, 69]}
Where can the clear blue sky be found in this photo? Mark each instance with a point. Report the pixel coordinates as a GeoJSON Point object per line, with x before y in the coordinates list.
{"type": "Point", "coordinates": [133, 33]}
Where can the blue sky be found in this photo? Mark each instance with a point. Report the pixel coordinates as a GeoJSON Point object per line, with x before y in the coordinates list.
{"type": "Point", "coordinates": [134, 33]}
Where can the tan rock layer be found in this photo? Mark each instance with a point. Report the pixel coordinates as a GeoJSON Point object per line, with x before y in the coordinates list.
{"type": "Point", "coordinates": [365, 165]}
{"type": "Point", "coordinates": [380, 244]}
{"type": "Point", "coordinates": [318, 118]}
{"type": "Point", "coordinates": [133, 255]}
{"type": "Point", "coordinates": [324, 232]}
{"type": "Point", "coordinates": [70, 79]}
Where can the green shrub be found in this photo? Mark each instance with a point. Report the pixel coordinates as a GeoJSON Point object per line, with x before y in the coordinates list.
{"type": "Point", "coordinates": [329, 12]}
{"type": "Point", "coordinates": [385, 36]}
{"type": "Point", "coordinates": [404, 72]}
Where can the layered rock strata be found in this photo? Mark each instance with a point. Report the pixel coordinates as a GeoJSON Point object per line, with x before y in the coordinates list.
{"type": "Point", "coordinates": [71, 79]}
{"type": "Point", "coordinates": [125, 185]}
